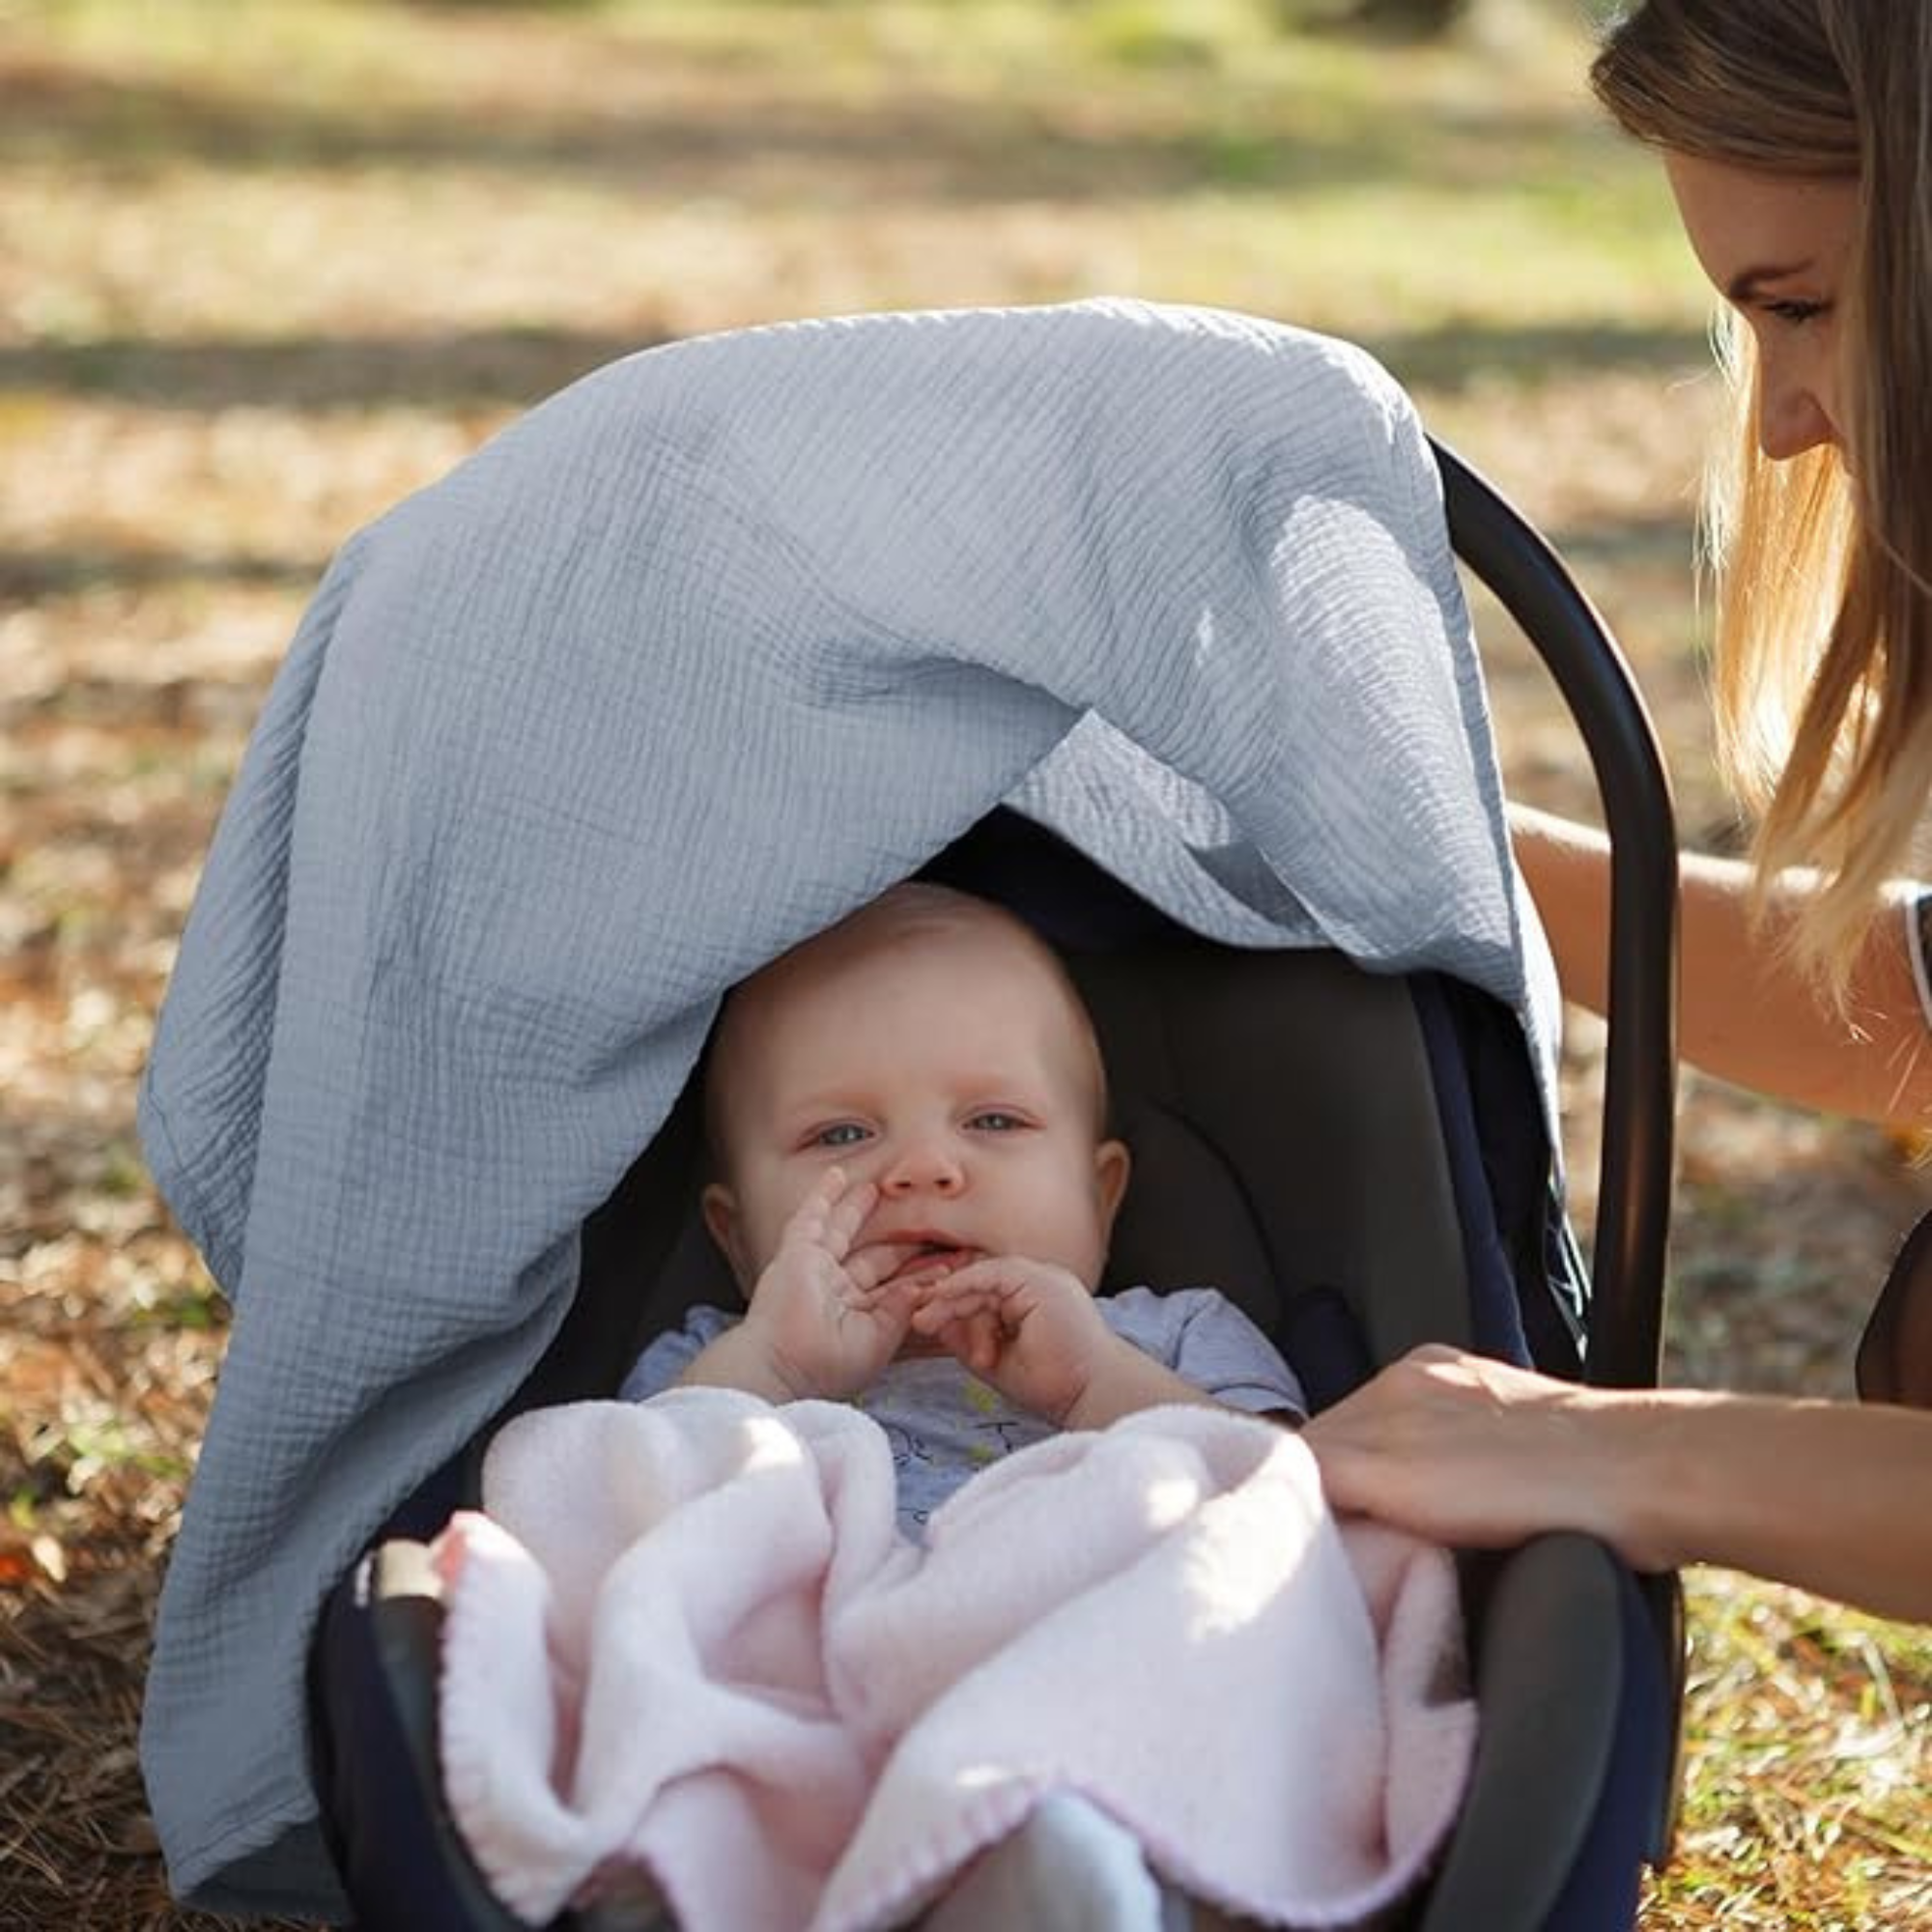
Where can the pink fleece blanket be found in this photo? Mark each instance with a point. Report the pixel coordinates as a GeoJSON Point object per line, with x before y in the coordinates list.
{"type": "Point", "coordinates": [689, 1635]}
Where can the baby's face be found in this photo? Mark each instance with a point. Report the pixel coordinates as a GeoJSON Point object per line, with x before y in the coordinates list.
{"type": "Point", "coordinates": [946, 1065]}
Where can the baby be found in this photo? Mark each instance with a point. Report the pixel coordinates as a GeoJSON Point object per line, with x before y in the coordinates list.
{"type": "Point", "coordinates": [915, 1191]}
{"type": "Point", "coordinates": [915, 1186]}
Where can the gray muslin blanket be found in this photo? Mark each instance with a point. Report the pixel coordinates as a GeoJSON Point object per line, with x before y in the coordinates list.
{"type": "Point", "coordinates": [683, 666]}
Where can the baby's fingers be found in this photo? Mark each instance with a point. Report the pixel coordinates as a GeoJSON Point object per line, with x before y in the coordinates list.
{"type": "Point", "coordinates": [974, 1339]}
{"type": "Point", "coordinates": [940, 1305]}
{"type": "Point", "coordinates": [830, 1214]}
{"type": "Point", "coordinates": [984, 1278]}
{"type": "Point", "coordinates": [808, 1220]}
{"type": "Point", "coordinates": [873, 1267]}
{"type": "Point", "coordinates": [983, 1341]}
{"type": "Point", "coordinates": [846, 1209]}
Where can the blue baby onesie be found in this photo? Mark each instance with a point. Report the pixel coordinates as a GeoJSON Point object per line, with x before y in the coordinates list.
{"type": "Point", "coordinates": [943, 1423]}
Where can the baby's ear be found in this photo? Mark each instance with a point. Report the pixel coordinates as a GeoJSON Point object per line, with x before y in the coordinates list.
{"type": "Point", "coordinates": [1112, 1165]}
{"type": "Point", "coordinates": [719, 1208]}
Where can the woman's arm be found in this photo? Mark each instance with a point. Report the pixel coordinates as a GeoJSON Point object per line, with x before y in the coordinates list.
{"type": "Point", "coordinates": [1745, 1013]}
{"type": "Point", "coordinates": [1831, 1497]}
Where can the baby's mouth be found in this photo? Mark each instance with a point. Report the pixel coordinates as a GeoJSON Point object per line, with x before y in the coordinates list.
{"type": "Point", "coordinates": [927, 1256]}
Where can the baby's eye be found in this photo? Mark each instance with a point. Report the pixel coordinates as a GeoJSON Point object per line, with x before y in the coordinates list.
{"type": "Point", "coordinates": [839, 1134]}
{"type": "Point", "coordinates": [996, 1121]}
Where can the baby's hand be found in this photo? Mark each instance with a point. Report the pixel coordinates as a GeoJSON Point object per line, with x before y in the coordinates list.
{"type": "Point", "coordinates": [1030, 1328]}
{"type": "Point", "coordinates": [824, 1312]}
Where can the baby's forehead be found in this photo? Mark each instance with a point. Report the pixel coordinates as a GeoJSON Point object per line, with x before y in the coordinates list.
{"type": "Point", "coordinates": [976, 957]}
{"type": "Point", "coordinates": [969, 962]}
{"type": "Point", "coordinates": [918, 914]}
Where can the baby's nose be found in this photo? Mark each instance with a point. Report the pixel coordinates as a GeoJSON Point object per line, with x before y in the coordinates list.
{"type": "Point", "coordinates": [928, 1164]}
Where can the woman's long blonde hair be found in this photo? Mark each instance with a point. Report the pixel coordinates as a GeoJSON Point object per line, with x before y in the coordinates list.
{"type": "Point", "coordinates": [1823, 562]}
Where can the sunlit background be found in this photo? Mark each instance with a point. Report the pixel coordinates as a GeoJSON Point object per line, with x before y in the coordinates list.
{"type": "Point", "coordinates": [268, 265]}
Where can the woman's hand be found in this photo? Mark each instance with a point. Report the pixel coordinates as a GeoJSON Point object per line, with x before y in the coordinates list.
{"type": "Point", "coordinates": [1465, 1450]}
{"type": "Point", "coordinates": [1828, 1495]}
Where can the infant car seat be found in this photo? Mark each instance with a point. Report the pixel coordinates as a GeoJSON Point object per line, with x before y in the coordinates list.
{"type": "Point", "coordinates": [1360, 1160]}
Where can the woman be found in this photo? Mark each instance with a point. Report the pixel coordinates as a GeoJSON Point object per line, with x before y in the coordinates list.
{"type": "Point", "coordinates": [1798, 138]}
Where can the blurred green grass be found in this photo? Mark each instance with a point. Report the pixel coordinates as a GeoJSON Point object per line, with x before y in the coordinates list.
{"type": "Point", "coordinates": [1468, 207]}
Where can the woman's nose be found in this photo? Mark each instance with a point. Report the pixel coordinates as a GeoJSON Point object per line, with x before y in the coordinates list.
{"type": "Point", "coordinates": [928, 1164]}
{"type": "Point", "coordinates": [1791, 418]}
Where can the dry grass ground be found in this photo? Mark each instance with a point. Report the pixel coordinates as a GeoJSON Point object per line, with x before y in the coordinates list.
{"type": "Point", "coordinates": [267, 267]}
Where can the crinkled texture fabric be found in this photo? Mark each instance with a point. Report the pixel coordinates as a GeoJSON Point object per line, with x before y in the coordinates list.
{"type": "Point", "coordinates": [689, 1637]}
{"type": "Point", "coordinates": [682, 667]}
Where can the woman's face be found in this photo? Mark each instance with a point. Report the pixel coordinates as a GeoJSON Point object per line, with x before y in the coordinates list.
{"type": "Point", "coordinates": [1779, 250]}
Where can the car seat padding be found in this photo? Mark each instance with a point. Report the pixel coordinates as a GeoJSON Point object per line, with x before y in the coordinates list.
{"type": "Point", "coordinates": [1308, 1081]}
{"type": "Point", "coordinates": [1285, 1141]}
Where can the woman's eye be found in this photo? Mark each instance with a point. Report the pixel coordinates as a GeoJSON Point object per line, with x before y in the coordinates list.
{"type": "Point", "coordinates": [1795, 312]}
{"type": "Point", "coordinates": [840, 1134]}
